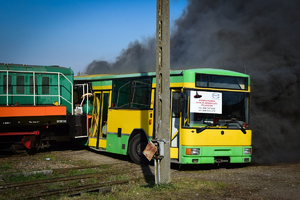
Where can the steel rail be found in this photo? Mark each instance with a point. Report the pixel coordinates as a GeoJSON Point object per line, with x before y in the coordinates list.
{"type": "Point", "coordinates": [84, 167]}
{"type": "Point", "coordinates": [67, 178]}
{"type": "Point", "coordinates": [77, 188]}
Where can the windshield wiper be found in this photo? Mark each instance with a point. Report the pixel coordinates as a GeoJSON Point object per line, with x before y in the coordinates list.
{"type": "Point", "coordinates": [199, 130]}
{"type": "Point", "coordinates": [233, 120]}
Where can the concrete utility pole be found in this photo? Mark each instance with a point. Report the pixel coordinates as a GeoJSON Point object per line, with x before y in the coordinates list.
{"type": "Point", "coordinates": [162, 105]}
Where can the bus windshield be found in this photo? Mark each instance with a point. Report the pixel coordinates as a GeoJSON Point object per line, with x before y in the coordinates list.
{"type": "Point", "coordinates": [214, 108]}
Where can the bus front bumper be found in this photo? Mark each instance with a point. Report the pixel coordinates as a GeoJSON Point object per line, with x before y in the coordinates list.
{"type": "Point", "coordinates": [211, 155]}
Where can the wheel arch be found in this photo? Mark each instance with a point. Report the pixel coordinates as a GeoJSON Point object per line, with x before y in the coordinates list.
{"type": "Point", "coordinates": [134, 133]}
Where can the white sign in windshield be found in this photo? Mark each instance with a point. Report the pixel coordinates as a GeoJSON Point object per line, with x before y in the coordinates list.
{"type": "Point", "coordinates": [206, 102]}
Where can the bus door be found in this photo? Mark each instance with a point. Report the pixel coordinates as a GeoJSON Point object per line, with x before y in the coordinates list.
{"type": "Point", "coordinates": [97, 137]}
{"type": "Point", "coordinates": [175, 123]}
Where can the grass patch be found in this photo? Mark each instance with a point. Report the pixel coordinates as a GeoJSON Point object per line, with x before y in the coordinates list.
{"type": "Point", "coordinates": [74, 172]}
{"type": "Point", "coordinates": [55, 186]}
{"type": "Point", "coordinates": [105, 167]}
{"type": "Point", "coordinates": [81, 162]}
{"type": "Point", "coordinates": [8, 194]}
{"type": "Point", "coordinates": [5, 166]}
{"type": "Point", "coordinates": [74, 183]}
{"type": "Point", "coordinates": [179, 188]}
{"type": "Point", "coordinates": [22, 178]}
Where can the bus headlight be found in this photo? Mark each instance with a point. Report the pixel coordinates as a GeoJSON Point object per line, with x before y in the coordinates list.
{"type": "Point", "coordinates": [248, 151]}
{"type": "Point", "coordinates": [192, 151]}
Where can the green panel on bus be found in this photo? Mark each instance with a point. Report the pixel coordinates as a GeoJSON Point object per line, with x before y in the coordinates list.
{"type": "Point", "coordinates": [117, 144]}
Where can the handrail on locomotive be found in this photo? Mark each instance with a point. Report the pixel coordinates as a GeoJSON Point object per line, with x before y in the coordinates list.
{"type": "Point", "coordinates": [34, 86]}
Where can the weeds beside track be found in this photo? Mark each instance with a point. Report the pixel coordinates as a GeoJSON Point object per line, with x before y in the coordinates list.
{"type": "Point", "coordinates": [107, 175]}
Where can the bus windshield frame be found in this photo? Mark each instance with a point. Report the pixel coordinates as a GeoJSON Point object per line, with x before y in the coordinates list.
{"type": "Point", "coordinates": [199, 111]}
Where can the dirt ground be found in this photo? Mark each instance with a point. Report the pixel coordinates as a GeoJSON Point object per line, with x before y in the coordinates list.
{"type": "Point", "coordinates": [276, 181]}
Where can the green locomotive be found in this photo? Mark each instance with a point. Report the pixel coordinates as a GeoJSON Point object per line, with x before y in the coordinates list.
{"type": "Point", "coordinates": [37, 106]}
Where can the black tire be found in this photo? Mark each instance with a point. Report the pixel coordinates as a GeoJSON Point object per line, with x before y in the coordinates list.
{"type": "Point", "coordinates": [136, 147]}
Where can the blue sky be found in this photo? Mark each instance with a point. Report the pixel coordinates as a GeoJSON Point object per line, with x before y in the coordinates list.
{"type": "Point", "coordinates": [73, 33]}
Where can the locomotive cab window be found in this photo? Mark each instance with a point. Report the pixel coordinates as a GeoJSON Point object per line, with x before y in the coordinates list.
{"type": "Point", "coordinates": [5, 84]}
{"type": "Point", "coordinates": [31, 84]}
{"type": "Point", "coordinates": [45, 85]}
{"type": "Point", "coordinates": [20, 84]}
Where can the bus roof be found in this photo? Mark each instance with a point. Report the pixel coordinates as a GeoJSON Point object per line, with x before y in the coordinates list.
{"type": "Point", "coordinates": [152, 74]}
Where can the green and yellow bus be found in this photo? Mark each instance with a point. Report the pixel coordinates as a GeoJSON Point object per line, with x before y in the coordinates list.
{"type": "Point", "coordinates": [209, 115]}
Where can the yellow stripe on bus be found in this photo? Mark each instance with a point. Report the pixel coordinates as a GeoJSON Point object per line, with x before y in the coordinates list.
{"type": "Point", "coordinates": [108, 87]}
{"type": "Point", "coordinates": [215, 137]}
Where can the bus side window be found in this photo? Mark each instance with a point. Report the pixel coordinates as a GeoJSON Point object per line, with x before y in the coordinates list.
{"type": "Point", "coordinates": [132, 93]}
{"type": "Point", "coordinates": [140, 93]}
{"type": "Point", "coordinates": [176, 104]}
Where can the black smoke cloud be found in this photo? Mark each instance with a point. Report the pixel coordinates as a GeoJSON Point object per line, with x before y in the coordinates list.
{"type": "Point", "coordinates": [260, 38]}
{"type": "Point", "coordinates": [138, 57]}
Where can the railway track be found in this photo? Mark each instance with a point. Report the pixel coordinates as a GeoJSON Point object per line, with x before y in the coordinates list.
{"type": "Point", "coordinates": [115, 174]}
{"type": "Point", "coordinates": [72, 191]}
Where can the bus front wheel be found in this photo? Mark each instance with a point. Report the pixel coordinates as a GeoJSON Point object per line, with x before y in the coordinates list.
{"type": "Point", "coordinates": [136, 148]}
